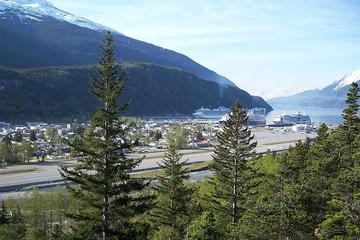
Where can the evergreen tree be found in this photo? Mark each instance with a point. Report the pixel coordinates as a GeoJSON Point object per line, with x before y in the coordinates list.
{"type": "Point", "coordinates": [18, 137]}
{"type": "Point", "coordinates": [171, 207]}
{"type": "Point", "coordinates": [32, 136]}
{"type": "Point", "coordinates": [234, 148]}
{"type": "Point", "coordinates": [323, 133]}
{"type": "Point", "coordinates": [107, 197]}
{"type": "Point", "coordinates": [277, 205]}
{"type": "Point", "coordinates": [351, 119]}
{"type": "Point", "coordinates": [17, 220]}
{"type": "Point", "coordinates": [7, 155]}
{"type": "Point", "coordinates": [10, 232]}
{"type": "Point", "coordinates": [56, 233]}
{"type": "Point", "coordinates": [7, 139]}
{"type": "Point", "coordinates": [203, 228]}
{"type": "Point", "coordinates": [25, 152]}
{"type": "Point", "coordinates": [342, 220]}
{"type": "Point", "coordinates": [178, 135]}
{"type": "Point", "coordinates": [350, 127]}
{"type": "Point", "coordinates": [4, 214]}
{"type": "Point", "coordinates": [50, 133]}
{"type": "Point", "coordinates": [12, 224]}
{"type": "Point", "coordinates": [158, 135]}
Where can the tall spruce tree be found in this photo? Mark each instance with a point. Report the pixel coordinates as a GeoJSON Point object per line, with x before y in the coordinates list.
{"type": "Point", "coordinates": [173, 196]}
{"type": "Point", "coordinates": [107, 197]}
{"type": "Point", "coordinates": [32, 136]}
{"type": "Point", "coordinates": [323, 133]}
{"type": "Point", "coordinates": [351, 119]}
{"type": "Point", "coordinates": [234, 148]}
{"type": "Point", "coordinates": [350, 128]}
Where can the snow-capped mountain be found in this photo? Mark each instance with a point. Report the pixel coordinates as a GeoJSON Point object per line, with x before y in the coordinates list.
{"type": "Point", "coordinates": [37, 30]}
{"type": "Point", "coordinates": [34, 33]}
{"type": "Point", "coordinates": [346, 80]}
{"type": "Point", "coordinates": [331, 96]}
{"type": "Point", "coordinates": [37, 9]}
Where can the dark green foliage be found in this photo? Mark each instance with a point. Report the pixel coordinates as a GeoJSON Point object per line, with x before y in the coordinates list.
{"type": "Point", "coordinates": [204, 228]}
{"type": "Point", "coordinates": [342, 218]}
{"type": "Point", "coordinates": [18, 136]}
{"type": "Point", "coordinates": [4, 214]}
{"type": "Point", "coordinates": [310, 192]}
{"type": "Point", "coordinates": [15, 153]}
{"type": "Point", "coordinates": [17, 221]}
{"type": "Point", "coordinates": [32, 136]}
{"type": "Point", "coordinates": [12, 225]}
{"type": "Point", "coordinates": [231, 154]}
{"type": "Point", "coordinates": [7, 140]}
{"type": "Point", "coordinates": [108, 198]}
{"type": "Point", "coordinates": [155, 135]}
{"type": "Point", "coordinates": [171, 206]}
{"type": "Point", "coordinates": [351, 119]}
{"type": "Point", "coordinates": [177, 137]}
{"type": "Point", "coordinates": [7, 154]}
{"type": "Point", "coordinates": [277, 204]}
{"type": "Point", "coordinates": [24, 152]}
{"type": "Point", "coordinates": [10, 232]}
{"type": "Point", "coordinates": [322, 133]}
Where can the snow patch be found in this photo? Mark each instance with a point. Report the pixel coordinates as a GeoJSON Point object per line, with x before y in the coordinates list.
{"type": "Point", "coordinates": [32, 5]}
{"type": "Point", "coordinates": [34, 9]}
{"type": "Point", "coordinates": [347, 79]}
{"type": "Point", "coordinates": [33, 18]}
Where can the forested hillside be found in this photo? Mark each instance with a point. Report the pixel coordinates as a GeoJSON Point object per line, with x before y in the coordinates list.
{"type": "Point", "coordinates": [61, 93]}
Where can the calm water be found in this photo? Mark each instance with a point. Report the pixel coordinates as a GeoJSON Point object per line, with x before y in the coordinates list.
{"type": "Point", "coordinates": [319, 115]}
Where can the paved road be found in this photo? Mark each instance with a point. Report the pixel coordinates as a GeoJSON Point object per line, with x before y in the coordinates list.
{"type": "Point", "coordinates": [48, 172]}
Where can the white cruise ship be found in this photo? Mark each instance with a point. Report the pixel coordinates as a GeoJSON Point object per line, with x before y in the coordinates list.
{"type": "Point", "coordinates": [292, 119]}
{"type": "Point", "coordinates": [207, 113]}
{"type": "Point", "coordinates": [257, 116]}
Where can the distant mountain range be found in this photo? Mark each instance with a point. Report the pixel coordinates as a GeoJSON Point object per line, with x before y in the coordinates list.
{"type": "Point", "coordinates": [61, 93]}
{"type": "Point", "coordinates": [37, 36]}
{"type": "Point", "coordinates": [331, 96]}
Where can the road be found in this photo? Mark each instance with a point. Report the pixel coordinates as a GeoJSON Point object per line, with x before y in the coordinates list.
{"type": "Point", "coordinates": [47, 173]}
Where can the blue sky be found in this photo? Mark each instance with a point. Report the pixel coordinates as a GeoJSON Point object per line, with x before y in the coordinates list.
{"type": "Point", "coordinates": [266, 47]}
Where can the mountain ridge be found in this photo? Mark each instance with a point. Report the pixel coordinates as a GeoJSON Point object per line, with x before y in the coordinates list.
{"type": "Point", "coordinates": [39, 39]}
{"type": "Point", "coordinates": [53, 42]}
{"type": "Point", "coordinates": [330, 96]}
{"type": "Point", "coordinates": [61, 93]}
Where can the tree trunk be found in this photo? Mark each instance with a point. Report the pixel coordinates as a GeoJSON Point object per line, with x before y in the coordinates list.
{"type": "Point", "coordinates": [106, 219]}
{"type": "Point", "coordinates": [234, 203]}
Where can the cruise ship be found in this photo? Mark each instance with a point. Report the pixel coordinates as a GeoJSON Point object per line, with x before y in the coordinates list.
{"type": "Point", "coordinates": [292, 119]}
{"type": "Point", "coordinates": [207, 113]}
{"type": "Point", "coordinates": [257, 116]}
